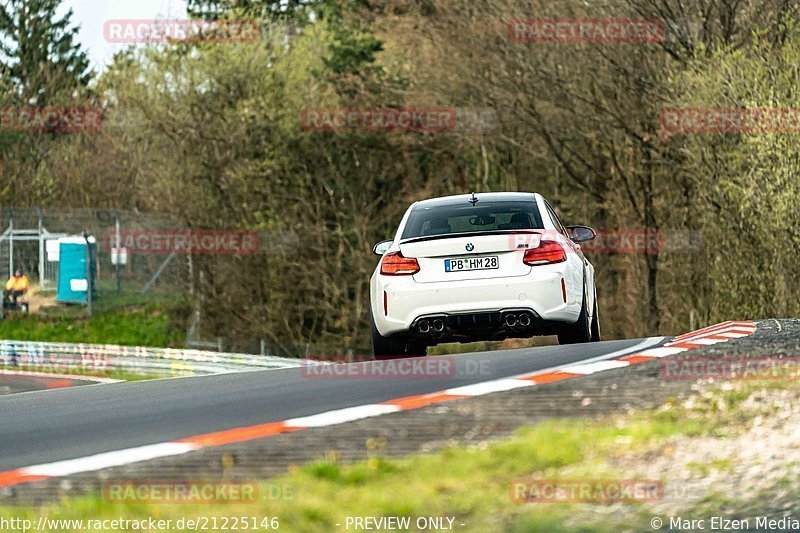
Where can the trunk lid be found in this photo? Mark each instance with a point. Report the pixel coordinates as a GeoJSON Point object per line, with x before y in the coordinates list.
{"type": "Point", "coordinates": [475, 251]}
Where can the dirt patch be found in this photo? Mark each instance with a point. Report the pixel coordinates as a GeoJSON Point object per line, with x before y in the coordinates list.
{"type": "Point", "coordinates": [38, 299]}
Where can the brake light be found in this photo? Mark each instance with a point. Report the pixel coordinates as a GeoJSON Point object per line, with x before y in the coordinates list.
{"type": "Point", "coordinates": [546, 253]}
{"type": "Point", "coordinates": [394, 264]}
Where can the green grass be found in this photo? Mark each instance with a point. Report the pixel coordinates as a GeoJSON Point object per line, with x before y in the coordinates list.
{"type": "Point", "coordinates": [471, 483]}
{"type": "Point", "coordinates": [704, 469]}
{"type": "Point", "coordinates": [127, 318]}
{"type": "Point", "coordinates": [150, 325]}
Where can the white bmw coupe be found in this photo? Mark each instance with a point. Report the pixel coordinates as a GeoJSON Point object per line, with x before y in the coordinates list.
{"type": "Point", "coordinates": [481, 267]}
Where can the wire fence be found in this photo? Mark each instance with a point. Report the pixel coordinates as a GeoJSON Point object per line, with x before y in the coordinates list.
{"type": "Point", "coordinates": [140, 258]}
{"type": "Point", "coordinates": [26, 234]}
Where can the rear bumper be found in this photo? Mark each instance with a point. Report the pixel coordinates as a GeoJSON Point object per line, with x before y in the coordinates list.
{"type": "Point", "coordinates": [475, 309]}
{"type": "Point", "coordinates": [482, 325]}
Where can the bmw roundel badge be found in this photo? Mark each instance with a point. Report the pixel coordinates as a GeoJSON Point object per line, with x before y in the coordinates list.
{"type": "Point", "coordinates": [470, 247]}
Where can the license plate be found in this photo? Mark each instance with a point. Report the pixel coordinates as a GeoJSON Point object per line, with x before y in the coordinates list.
{"type": "Point", "coordinates": [471, 263]}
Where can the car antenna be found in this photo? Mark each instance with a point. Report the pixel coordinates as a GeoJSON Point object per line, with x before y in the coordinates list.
{"type": "Point", "coordinates": [473, 199]}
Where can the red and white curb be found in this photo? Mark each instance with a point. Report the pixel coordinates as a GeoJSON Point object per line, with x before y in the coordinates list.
{"type": "Point", "coordinates": [704, 337]}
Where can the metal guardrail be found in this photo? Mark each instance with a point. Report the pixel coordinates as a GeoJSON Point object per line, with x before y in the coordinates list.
{"type": "Point", "coordinates": [103, 359]}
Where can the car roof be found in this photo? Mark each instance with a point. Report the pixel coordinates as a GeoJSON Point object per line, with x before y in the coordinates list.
{"type": "Point", "coordinates": [481, 196]}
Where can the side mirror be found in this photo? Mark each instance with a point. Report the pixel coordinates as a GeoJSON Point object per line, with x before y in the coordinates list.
{"type": "Point", "coordinates": [581, 233]}
{"type": "Point", "coordinates": [381, 247]}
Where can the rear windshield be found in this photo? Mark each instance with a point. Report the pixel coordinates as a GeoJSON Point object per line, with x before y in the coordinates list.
{"type": "Point", "coordinates": [466, 218]}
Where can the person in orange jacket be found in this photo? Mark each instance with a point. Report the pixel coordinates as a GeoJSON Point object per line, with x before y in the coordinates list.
{"type": "Point", "coordinates": [17, 285]}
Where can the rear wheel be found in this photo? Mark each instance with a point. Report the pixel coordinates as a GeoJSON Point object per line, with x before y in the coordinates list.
{"type": "Point", "coordinates": [394, 347]}
{"type": "Point", "coordinates": [416, 348]}
{"type": "Point", "coordinates": [595, 323]}
{"type": "Point", "coordinates": [578, 332]}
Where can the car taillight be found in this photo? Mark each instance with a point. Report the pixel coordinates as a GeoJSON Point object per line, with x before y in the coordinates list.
{"type": "Point", "coordinates": [546, 253]}
{"type": "Point", "coordinates": [394, 264]}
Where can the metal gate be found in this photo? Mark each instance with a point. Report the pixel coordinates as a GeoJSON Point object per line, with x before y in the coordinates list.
{"type": "Point", "coordinates": [23, 244]}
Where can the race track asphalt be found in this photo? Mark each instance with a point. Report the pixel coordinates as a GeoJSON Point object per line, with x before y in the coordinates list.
{"type": "Point", "coordinates": [53, 425]}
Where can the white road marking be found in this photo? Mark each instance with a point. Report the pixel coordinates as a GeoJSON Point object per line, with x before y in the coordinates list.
{"type": "Point", "coordinates": [706, 341]}
{"type": "Point", "coordinates": [732, 329]}
{"type": "Point", "coordinates": [599, 366]}
{"type": "Point", "coordinates": [153, 451]}
{"type": "Point", "coordinates": [487, 387]}
{"type": "Point", "coordinates": [109, 459]}
{"type": "Point", "coordinates": [646, 343]}
{"type": "Point", "coordinates": [662, 351]}
{"type": "Point", "coordinates": [329, 418]}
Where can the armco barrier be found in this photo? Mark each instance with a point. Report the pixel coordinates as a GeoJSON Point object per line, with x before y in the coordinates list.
{"type": "Point", "coordinates": [102, 359]}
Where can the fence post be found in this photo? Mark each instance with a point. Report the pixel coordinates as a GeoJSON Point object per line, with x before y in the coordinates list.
{"type": "Point", "coordinates": [10, 243]}
{"type": "Point", "coordinates": [40, 236]}
{"type": "Point", "coordinates": [88, 273]}
{"type": "Point", "coordinates": [117, 244]}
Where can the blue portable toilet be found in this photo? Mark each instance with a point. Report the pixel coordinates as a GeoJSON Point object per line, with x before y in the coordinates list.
{"type": "Point", "coordinates": [73, 286]}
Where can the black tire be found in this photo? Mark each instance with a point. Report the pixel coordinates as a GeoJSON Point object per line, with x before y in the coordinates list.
{"type": "Point", "coordinates": [394, 347]}
{"type": "Point", "coordinates": [578, 332]}
{"type": "Point", "coordinates": [595, 322]}
{"type": "Point", "coordinates": [416, 349]}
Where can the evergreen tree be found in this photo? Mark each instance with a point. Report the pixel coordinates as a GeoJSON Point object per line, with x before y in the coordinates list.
{"type": "Point", "coordinates": [294, 10]}
{"type": "Point", "coordinates": [39, 57]}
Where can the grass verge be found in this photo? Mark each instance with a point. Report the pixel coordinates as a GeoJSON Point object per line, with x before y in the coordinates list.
{"type": "Point", "coordinates": [154, 324]}
{"type": "Point", "coordinates": [469, 483]}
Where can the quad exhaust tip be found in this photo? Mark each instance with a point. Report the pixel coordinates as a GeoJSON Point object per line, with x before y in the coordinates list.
{"type": "Point", "coordinates": [521, 320]}
{"type": "Point", "coordinates": [436, 326]}
{"type": "Point", "coordinates": [427, 327]}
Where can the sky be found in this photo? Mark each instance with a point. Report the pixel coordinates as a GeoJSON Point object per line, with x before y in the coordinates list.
{"type": "Point", "coordinates": [91, 15]}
